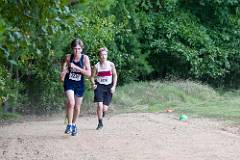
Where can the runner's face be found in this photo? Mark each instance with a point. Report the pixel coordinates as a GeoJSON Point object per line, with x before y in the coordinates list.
{"type": "Point", "coordinates": [103, 56]}
{"type": "Point", "coordinates": [77, 49]}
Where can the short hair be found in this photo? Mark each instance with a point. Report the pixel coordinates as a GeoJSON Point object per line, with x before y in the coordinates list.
{"type": "Point", "coordinates": [102, 49]}
{"type": "Point", "coordinates": [76, 42]}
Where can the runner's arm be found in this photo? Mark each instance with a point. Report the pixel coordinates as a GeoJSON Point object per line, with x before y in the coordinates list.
{"type": "Point", "coordinates": [64, 67]}
{"type": "Point", "coordinates": [93, 75]}
{"type": "Point", "coordinates": [114, 76]}
{"type": "Point", "coordinates": [94, 71]}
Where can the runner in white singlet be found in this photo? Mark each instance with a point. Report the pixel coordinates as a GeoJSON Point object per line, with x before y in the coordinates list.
{"type": "Point", "coordinates": [104, 85]}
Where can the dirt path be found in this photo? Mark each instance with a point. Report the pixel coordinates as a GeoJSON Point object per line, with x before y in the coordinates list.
{"type": "Point", "coordinates": [137, 136]}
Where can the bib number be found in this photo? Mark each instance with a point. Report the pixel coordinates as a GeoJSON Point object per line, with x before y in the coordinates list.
{"type": "Point", "coordinates": [103, 80]}
{"type": "Point", "coordinates": [75, 77]}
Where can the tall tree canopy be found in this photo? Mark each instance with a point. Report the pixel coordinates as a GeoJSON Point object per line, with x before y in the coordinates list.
{"type": "Point", "coordinates": [147, 39]}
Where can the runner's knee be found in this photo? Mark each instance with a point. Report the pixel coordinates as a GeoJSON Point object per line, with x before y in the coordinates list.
{"type": "Point", "coordinates": [105, 108]}
{"type": "Point", "coordinates": [77, 107]}
{"type": "Point", "coordinates": [71, 104]}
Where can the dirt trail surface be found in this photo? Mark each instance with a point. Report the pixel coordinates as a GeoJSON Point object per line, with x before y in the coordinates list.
{"type": "Point", "coordinates": [135, 136]}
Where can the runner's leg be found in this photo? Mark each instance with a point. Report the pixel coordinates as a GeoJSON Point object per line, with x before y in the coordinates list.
{"type": "Point", "coordinates": [99, 114]}
{"type": "Point", "coordinates": [70, 105]}
{"type": "Point", "coordinates": [78, 102]}
{"type": "Point", "coordinates": [105, 109]}
{"type": "Point", "coordinates": [99, 109]}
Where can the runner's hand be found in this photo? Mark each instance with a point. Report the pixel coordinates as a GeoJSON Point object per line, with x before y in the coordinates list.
{"type": "Point", "coordinates": [94, 86]}
{"type": "Point", "coordinates": [113, 90]}
{"type": "Point", "coordinates": [62, 76]}
{"type": "Point", "coordinates": [73, 67]}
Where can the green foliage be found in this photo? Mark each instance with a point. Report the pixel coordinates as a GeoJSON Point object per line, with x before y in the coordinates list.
{"type": "Point", "coordinates": [97, 29]}
{"type": "Point", "coordinates": [8, 116]}
{"type": "Point", "coordinates": [9, 90]}
{"type": "Point", "coordinates": [32, 47]}
{"type": "Point", "coordinates": [4, 89]}
{"type": "Point", "coordinates": [184, 42]}
{"type": "Point", "coordinates": [147, 39]}
{"type": "Point", "coordinates": [132, 58]}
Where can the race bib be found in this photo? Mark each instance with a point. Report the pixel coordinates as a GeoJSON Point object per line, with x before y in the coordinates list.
{"type": "Point", "coordinates": [75, 77]}
{"type": "Point", "coordinates": [104, 80]}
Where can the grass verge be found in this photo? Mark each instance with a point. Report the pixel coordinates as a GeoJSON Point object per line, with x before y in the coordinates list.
{"type": "Point", "coordinates": [188, 97]}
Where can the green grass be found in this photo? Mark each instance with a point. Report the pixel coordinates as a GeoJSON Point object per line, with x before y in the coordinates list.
{"type": "Point", "coordinates": [9, 116]}
{"type": "Point", "coordinates": [188, 97]}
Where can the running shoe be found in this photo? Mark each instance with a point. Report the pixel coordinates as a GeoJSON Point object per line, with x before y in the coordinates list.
{"type": "Point", "coordinates": [74, 130]}
{"type": "Point", "coordinates": [100, 126]}
{"type": "Point", "coordinates": [68, 129]}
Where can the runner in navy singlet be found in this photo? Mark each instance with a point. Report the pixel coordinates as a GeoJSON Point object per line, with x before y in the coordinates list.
{"type": "Point", "coordinates": [75, 67]}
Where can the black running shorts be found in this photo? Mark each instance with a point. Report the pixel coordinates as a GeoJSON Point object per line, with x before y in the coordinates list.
{"type": "Point", "coordinates": [103, 94]}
